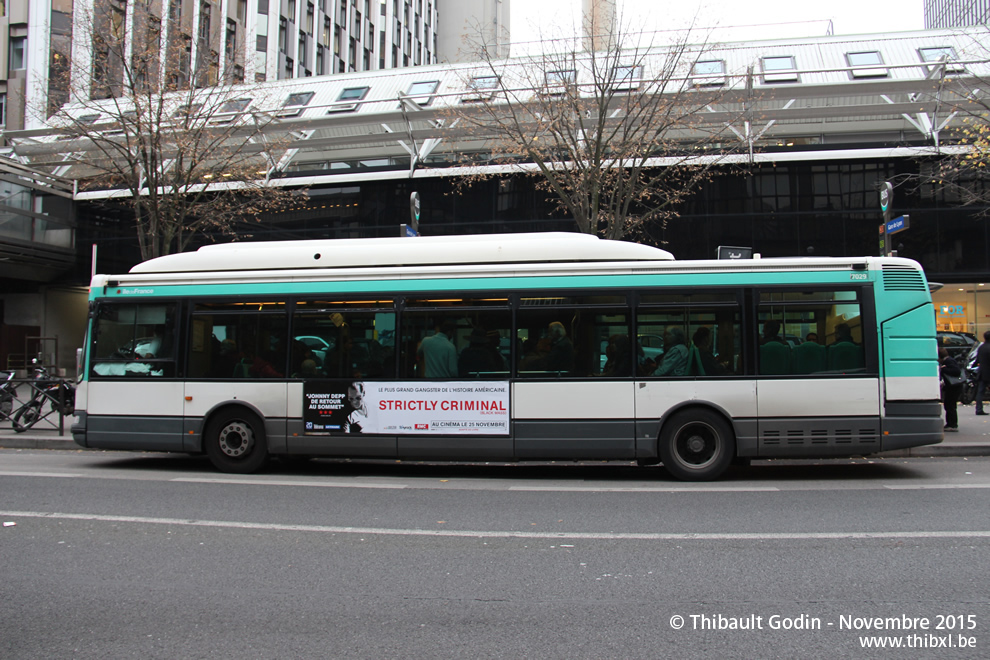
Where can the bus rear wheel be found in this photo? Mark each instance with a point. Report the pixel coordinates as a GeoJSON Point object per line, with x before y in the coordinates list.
{"type": "Point", "coordinates": [235, 442]}
{"type": "Point", "coordinates": [696, 445]}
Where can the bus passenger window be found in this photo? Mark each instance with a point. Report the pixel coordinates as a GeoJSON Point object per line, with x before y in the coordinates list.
{"type": "Point", "coordinates": [343, 341]}
{"type": "Point", "coordinates": [563, 338]}
{"type": "Point", "coordinates": [456, 338]}
{"type": "Point", "coordinates": [820, 331]}
{"type": "Point", "coordinates": [692, 335]}
{"type": "Point", "coordinates": [229, 343]}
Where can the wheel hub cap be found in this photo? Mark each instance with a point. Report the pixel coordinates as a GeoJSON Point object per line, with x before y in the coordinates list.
{"type": "Point", "coordinates": [236, 439]}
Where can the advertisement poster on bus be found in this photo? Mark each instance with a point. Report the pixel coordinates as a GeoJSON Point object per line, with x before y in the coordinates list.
{"type": "Point", "coordinates": [406, 408]}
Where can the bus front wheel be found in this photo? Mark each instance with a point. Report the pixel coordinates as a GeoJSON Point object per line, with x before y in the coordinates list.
{"type": "Point", "coordinates": [235, 442]}
{"type": "Point", "coordinates": [696, 445]}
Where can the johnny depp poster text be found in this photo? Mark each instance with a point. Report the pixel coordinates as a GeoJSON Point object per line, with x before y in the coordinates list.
{"type": "Point", "coordinates": [409, 407]}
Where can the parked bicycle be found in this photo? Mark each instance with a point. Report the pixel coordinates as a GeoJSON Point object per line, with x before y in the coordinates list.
{"type": "Point", "coordinates": [49, 396]}
{"type": "Point", "coordinates": [8, 394]}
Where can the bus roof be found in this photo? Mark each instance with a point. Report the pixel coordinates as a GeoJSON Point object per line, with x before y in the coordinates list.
{"type": "Point", "coordinates": [416, 251]}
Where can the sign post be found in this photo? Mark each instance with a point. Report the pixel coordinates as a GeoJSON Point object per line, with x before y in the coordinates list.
{"type": "Point", "coordinates": [886, 198]}
{"type": "Point", "coordinates": [412, 229]}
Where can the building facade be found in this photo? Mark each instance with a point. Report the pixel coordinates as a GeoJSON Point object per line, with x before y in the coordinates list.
{"type": "Point", "coordinates": [206, 42]}
{"type": "Point", "coordinates": [830, 118]}
{"type": "Point", "coordinates": [956, 13]}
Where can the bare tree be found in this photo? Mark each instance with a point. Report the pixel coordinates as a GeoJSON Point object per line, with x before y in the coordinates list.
{"type": "Point", "coordinates": [965, 173]}
{"type": "Point", "coordinates": [180, 144]}
{"type": "Point", "coordinates": [958, 162]}
{"type": "Point", "coordinates": [619, 132]}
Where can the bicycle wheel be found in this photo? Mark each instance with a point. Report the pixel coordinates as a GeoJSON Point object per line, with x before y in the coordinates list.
{"type": "Point", "coordinates": [26, 416]}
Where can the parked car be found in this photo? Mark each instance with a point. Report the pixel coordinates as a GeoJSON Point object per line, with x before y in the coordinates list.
{"type": "Point", "coordinates": [957, 344]}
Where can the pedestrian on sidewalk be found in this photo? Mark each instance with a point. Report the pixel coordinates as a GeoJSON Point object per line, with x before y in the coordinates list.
{"type": "Point", "coordinates": [983, 378]}
{"type": "Point", "coordinates": [952, 385]}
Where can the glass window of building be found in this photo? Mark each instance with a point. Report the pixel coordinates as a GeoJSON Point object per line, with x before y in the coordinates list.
{"type": "Point", "coordinates": [708, 73]}
{"type": "Point", "coordinates": [869, 64]}
{"type": "Point", "coordinates": [349, 94]}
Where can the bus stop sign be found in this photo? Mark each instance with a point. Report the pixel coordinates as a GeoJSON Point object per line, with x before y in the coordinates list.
{"type": "Point", "coordinates": [886, 196]}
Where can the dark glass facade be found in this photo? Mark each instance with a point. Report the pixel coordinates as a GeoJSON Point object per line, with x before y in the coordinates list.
{"type": "Point", "coordinates": [821, 208]}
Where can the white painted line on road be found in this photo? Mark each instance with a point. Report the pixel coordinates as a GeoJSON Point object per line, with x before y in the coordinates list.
{"type": "Point", "coordinates": [647, 489]}
{"type": "Point", "coordinates": [587, 536]}
{"type": "Point", "coordinates": [38, 474]}
{"type": "Point", "coordinates": [936, 486]}
{"type": "Point", "coordinates": [266, 482]}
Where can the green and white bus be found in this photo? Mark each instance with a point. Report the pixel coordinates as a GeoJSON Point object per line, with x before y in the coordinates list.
{"type": "Point", "coordinates": [508, 347]}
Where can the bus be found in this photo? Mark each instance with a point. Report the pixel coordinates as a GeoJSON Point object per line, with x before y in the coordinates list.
{"type": "Point", "coordinates": [514, 347]}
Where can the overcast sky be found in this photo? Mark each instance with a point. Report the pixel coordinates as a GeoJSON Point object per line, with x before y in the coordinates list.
{"type": "Point", "coordinates": [532, 20]}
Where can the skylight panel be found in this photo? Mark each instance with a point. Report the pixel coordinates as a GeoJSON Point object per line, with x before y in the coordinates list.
{"type": "Point", "coordinates": [349, 94]}
{"type": "Point", "coordinates": [938, 54]}
{"type": "Point", "coordinates": [709, 73]}
{"type": "Point", "coordinates": [482, 88]}
{"type": "Point", "coordinates": [228, 111]}
{"type": "Point", "coordinates": [869, 64]}
{"type": "Point", "coordinates": [295, 103]}
{"type": "Point", "coordinates": [627, 78]}
{"type": "Point", "coordinates": [423, 91]}
{"type": "Point", "coordinates": [779, 68]}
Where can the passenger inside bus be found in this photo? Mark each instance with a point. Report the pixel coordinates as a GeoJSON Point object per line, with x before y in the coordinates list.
{"type": "Point", "coordinates": [675, 356]}
{"type": "Point", "coordinates": [561, 356]}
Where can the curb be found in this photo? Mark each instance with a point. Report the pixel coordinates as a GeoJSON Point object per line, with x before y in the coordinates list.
{"type": "Point", "coordinates": [28, 442]}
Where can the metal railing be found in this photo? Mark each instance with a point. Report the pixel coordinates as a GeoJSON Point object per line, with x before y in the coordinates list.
{"type": "Point", "coordinates": [28, 402]}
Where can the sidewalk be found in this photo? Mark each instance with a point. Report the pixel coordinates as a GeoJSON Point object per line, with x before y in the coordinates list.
{"type": "Point", "coordinates": [973, 438]}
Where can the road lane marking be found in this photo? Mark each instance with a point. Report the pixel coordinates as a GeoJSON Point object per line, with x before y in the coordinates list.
{"type": "Point", "coordinates": [935, 486]}
{"type": "Point", "coordinates": [38, 474]}
{"type": "Point", "coordinates": [647, 489]}
{"type": "Point", "coordinates": [267, 482]}
{"type": "Point", "coordinates": [587, 536]}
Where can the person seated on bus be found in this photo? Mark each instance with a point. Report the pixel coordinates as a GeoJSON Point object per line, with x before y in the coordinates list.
{"type": "Point", "coordinates": [702, 361]}
{"type": "Point", "coordinates": [618, 356]}
{"type": "Point", "coordinates": [153, 346]}
{"type": "Point", "coordinates": [256, 366]}
{"type": "Point", "coordinates": [308, 369]}
{"type": "Point", "coordinates": [775, 353]}
{"type": "Point", "coordinates": [809, 356]}
{"type": "Point", "coordinates": [561, 356]}
{"type": "Point", "coordinates": [534, 354]}
{"type": "Point", "coordinates": [771, 332]}
{"type": "Point", "coordinates": [675, 354]}
{"type": "Point", "coordinates": [476, 359]}
{"type": "Point", "coordinates": [845, 354]}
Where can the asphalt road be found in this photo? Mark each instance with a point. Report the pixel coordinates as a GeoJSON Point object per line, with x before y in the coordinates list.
{"type": "Point", "coordinates": [116, 555]}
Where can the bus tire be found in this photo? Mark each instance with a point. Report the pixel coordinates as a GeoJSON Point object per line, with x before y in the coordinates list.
{"type": "Point", "coordinates": [697, 445]}
{"type": "Point", "coordinates": [235, 441]}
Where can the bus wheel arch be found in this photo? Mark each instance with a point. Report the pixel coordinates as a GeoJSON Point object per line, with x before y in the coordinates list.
{"type": "Point", "coordinates": [696, 443]}
{"type": "Point", "coordinates": [234, 439]}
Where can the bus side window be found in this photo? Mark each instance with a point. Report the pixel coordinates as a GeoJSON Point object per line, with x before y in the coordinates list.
{"type": "Point", "coordinates": [573, 337]}
{"type": "Point", "coordinates": [228, 342]}
{"type": "Point", "coordinates": [689, 334]}
{"type": "Point", "coordinates": [821, 330]}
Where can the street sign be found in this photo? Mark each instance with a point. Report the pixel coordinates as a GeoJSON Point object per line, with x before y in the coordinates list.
{"type": "Point", "coordinates": [899, 223]}
{"type": "Point", "coordinates": [886, 196]}
{"type": "Point", "coordinates": [414, 209]}
{"type": "Point", "coordinates": [406, 231]}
